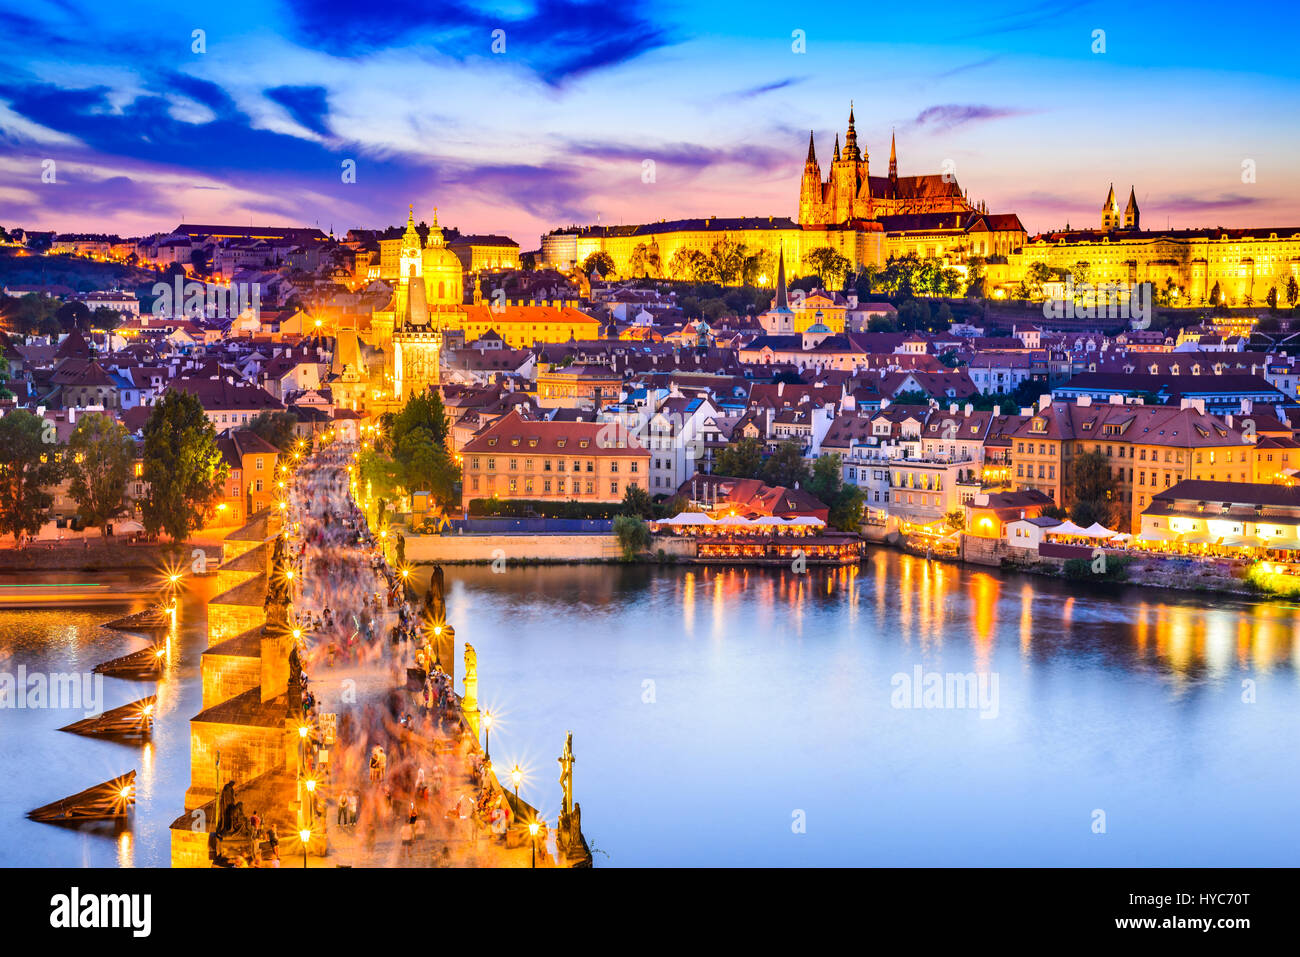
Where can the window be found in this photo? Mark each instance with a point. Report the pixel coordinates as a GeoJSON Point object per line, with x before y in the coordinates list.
{"type": "Point", "coordinates": [613, 487]}
{"type": "Point", "coordinates": [473, 463]}
{"type": "Point", "coordinates": [613, 466]}
{"type": "Point", "coordinates": [492, 464]}
{"type": "Point", "coordinates": [634, 467]}
{"type": "Point", "coordinates": [257, 464]}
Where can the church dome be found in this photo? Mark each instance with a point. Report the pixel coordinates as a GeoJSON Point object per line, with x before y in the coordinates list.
{"type": "Point", "coordinates": [443, 274]}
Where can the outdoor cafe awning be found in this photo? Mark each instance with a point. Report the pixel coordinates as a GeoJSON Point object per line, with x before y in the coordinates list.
{"type": "Point", "coordinates": [1098, 530]}
{"type": "Point", "coordinates": [1068, 528]}
{"type": "Point", "coordinates": [1283, 545]}
{"type": "Point", "coordinates": [687, 518]}
{"type": "Point", "coordinates": [1199, 538]}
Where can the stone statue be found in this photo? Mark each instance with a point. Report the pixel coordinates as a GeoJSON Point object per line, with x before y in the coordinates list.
{"type": "Point", "coordinates": [295, 682]}
{"type": "Point", "coordinates": [400, 550]}
{"type": "Point", "coordinates": [435, 599]}
{"type": "Point", "coordinates": [469, 704]}
{"type": "Point", "coordinates": [566, 775]}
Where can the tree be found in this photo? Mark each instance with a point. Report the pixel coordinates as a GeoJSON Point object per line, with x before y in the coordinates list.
{"type": "Point", "coordinates": [29, 464]}
{"type": "Point", "coordinates": [786, 466]}
{"type": "Point", "coordinates": [73, 315]}
{"type": "Point", "coordinates": [830, 266]}
{"type": "Point", "coordinates": [633, 535]}
{"type": "Point", "coordinates": [1037, 274]}
{"type": "Point", "coordinates": [182, 466]}
{"type": "Point", "coordinates": [636, 501]}
{"type": "Point", "coordinates": [743, 459]}
{"type": "Point", "coordinates": [843, 501]}
{"type": "Point", "coordinates": [426, 466]}
{"type": "Point", "coordinates": [100, 454]}
{"type": "Point", "coordinates": [1292, 291]}
{"type": "Point", "coordinates": [688, 265]}
{"type": "Point", "coordinates": [955, 520]}
{"type": "Point", "coordinates": [276, 427]}
{"type": "Point", "coordinates": [727, 260]}
{"type": "Point", "coordinates": [599, 260]}
{"type": "Point", "coordinates": [1093, 490]}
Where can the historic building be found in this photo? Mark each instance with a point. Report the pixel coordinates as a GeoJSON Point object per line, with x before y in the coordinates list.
{"type": "Point", "coordinates": [850, 192]}
{"type": "Point", "coordinates": [866, 219]}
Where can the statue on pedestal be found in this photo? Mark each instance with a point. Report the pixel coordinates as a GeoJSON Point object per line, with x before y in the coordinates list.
{"type": "Point", "coordinates": [566, 775]}
{"type": "Point", "coordinates": [469, 704]}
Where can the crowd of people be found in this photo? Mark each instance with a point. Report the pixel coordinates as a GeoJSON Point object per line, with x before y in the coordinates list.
{"type": "Point", "coordinates": [405, 770]}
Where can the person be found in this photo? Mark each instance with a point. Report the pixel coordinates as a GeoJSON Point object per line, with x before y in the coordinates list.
{"type": "Point", "coordinates": [343, 809]}
{"type": "Point", "coordinates": [408, 835]}
{"type": "Point", "coordinates": [273, 839]}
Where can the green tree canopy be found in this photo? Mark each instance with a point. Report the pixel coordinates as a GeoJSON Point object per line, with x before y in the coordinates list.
{"type": "Point", "coordinates": [182, 466]}
{"type": "Point", "coordinates": [29, 464]}
{"type": "Point", "coordinates": [1093, 490]}
{"type": "Point", "coordinates": [100, 454]}
{"type": "Point", "coordinates": [843, 500]}
{"type": "Point", "coordinates": [276, 426]}
{"type": "Point", "coordinates": [743, 459]}
{"type": "Point", "coordinates": [787, 466]}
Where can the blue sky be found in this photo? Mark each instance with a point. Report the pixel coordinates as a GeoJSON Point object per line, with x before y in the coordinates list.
{"type": "Point", "coordinates": [145, 132]}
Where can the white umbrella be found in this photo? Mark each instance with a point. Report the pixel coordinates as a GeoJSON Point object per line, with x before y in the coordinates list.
{"type": "Point", "coordinates": [688, 518]}
{"type": "Point", "coordinates": [129, 525]}
{"type": "Point", "coordinates": [1067, 528]}
{"type": "Point", "coordinates": [1098, 530]}
{"type": "Point", "coordinates": [806, 520]}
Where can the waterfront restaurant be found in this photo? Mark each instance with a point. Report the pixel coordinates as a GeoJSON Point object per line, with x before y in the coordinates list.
{"type": "Point", "coordinates": [1241, 519]}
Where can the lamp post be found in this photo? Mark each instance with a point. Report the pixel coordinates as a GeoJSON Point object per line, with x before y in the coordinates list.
{"type": "Point", "coordinates": [487, 735]}
{"type": "Point", "coordinates": [304, 835]}
{"type": "Point", "coordinates": [532, 831]}
{"type": "Point", "coordinates": [516, 776]}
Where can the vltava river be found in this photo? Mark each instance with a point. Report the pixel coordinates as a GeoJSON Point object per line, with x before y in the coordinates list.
{"type": "Point", "coordinates": [747, 717]}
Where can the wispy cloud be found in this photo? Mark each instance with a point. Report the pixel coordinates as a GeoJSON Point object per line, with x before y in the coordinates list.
{"type": "Point", "coordinates": [952, 115]}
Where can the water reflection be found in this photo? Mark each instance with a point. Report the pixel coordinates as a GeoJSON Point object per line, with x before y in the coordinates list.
{"type": "Point", "coordinates": [1129, 699]}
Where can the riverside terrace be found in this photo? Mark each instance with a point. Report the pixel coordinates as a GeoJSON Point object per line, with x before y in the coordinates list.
{"type": "Point", "coordinates": [331, 732]}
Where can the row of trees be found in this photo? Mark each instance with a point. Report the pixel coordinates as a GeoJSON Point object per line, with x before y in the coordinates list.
{"type": "Point", "coordinates": [42, 315]}
{"type": "Point", "coordinates": [181, 468]}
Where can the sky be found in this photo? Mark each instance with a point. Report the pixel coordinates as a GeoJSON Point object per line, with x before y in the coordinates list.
{"type": "Point", "coordinates": [519, 117]}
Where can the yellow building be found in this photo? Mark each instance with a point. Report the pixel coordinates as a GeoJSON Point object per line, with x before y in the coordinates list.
{"type": "Point", "coordinates": [1187, 264]}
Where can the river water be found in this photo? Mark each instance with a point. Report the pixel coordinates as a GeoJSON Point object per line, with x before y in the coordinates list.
{"type": "Point", "coordinates": [748, 717]}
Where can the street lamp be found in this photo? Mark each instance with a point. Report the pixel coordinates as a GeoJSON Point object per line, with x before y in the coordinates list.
{"type": "Point", "coordinates": [487, 735]}
{"type": "Point", "coordinates": [532, 831]}
{"type": "Point", "coordinates": [516, 776]}
{"type": "Point", "coordinates": [305, 835]}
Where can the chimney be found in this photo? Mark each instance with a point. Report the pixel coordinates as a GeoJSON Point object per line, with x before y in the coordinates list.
{"type": "Point", "coordinates": [1116, 400]}
{"type": "Point", "coordinates": [1044, 401]}
{"type": "Point", "coordinates": [969, 408]}
{"type": "Point", "coordinates": [1084, 401]}
{"type": "Point", "coordinates": [952, 408]}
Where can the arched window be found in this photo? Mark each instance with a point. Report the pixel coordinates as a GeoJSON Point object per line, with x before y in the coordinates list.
{"type": "Point", "coordinates": [442, 289]}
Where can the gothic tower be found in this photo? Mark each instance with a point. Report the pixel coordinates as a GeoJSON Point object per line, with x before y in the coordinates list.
{"type": "Point", "coordinates": [810, 187]}
{"type": "Point", "coordinates": [1132, 217]}
{"type": "Point", "coordinates": [1110, 211]}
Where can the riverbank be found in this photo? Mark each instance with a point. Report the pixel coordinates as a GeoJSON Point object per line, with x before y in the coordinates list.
{"type": "Point", "coordinates": [98, 556]}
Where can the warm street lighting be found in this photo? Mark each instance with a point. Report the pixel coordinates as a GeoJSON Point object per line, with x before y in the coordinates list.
{"type": "Point", "coordinates": [487, 735]}
{"type": "Point", "coordinates": [304, 835]}
{"type": "Point", "coordinates": [297, 633]}
{"type": "Point", "coordinates": [516, 776]}
{"type": "Point", "coordinates": [532, 831]}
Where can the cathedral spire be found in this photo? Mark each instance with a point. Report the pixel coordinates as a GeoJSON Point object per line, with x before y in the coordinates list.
{"type": "Point", "coordinates": [851, 139]}
{"type": "Point", "coordinates": [893, 157]}
{"type": "Point", "coordinates": [837, 147]}
{"type": "Point", "coordinates": [812, 153]}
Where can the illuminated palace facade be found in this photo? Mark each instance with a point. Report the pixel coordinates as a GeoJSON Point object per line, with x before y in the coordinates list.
{"type": "Point", "coordinates": [866, 219]}
{"type": "Point", "coordinates": [1189, 263]}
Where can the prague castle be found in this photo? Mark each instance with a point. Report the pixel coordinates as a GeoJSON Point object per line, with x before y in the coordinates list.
{"type": "Point", "coordinates": [866, 219]}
